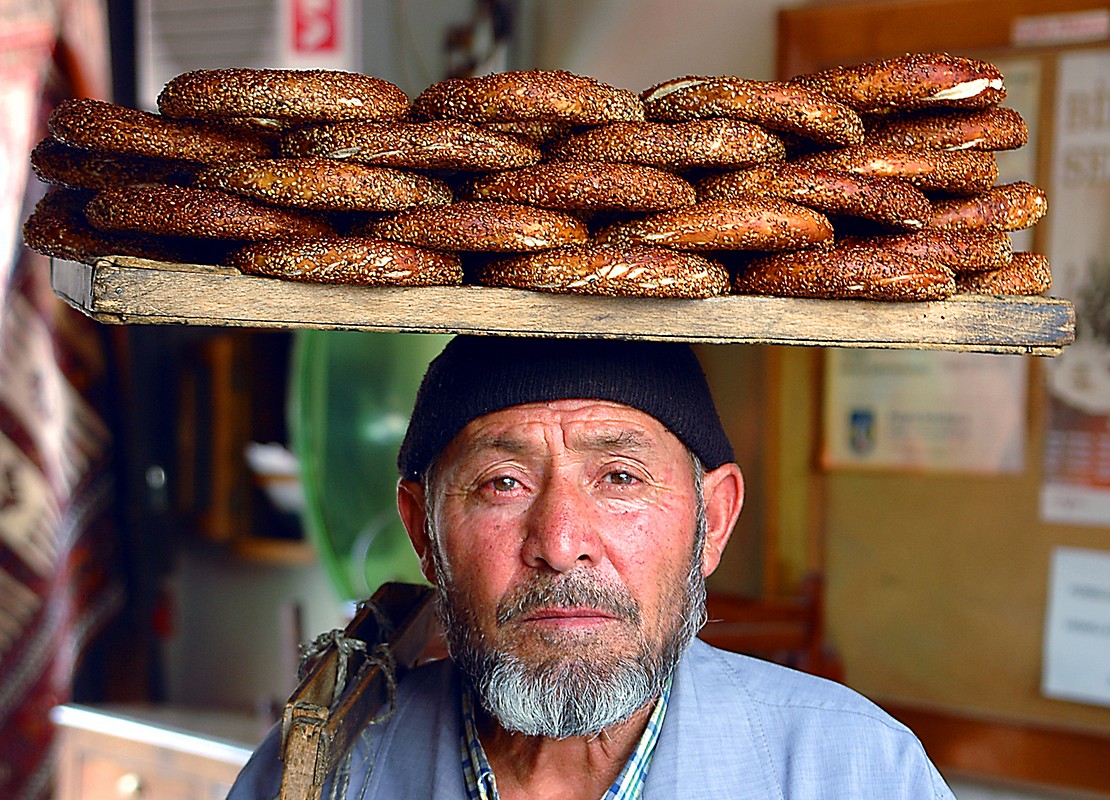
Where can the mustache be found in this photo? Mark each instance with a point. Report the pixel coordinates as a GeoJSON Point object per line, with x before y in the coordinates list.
{"type": "Point", "coordinates": [570, 590]}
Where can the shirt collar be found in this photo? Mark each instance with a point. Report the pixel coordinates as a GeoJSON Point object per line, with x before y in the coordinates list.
{"type": "Point", "coordinates": [629, 785]}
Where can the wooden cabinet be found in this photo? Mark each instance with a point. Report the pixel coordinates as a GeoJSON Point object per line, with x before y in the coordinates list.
{"type": "Point", "coordinates": [232, 392]}
{"type": "Point", "coordinates": [149, 753]}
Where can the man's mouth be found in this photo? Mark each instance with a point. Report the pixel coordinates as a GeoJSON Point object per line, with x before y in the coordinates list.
{"type": "Point", "coordinates": [568, 616]}
{"type": "Point", "coordinates": [571, 601]}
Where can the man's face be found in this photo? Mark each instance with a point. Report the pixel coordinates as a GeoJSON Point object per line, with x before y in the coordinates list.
{"type": "Point", "coordinates": [565, 540]}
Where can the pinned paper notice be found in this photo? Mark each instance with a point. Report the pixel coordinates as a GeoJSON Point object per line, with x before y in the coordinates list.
{"type": "Point", "coordinates": [1077, 627]}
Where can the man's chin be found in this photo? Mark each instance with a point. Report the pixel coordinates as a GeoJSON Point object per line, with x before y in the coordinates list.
{"type": "Point", "coordinates": [591, 650]}
{"type": "Point", "coordinates": [564, 698]}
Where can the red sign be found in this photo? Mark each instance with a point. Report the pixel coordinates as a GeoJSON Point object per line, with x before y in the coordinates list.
{"type": "Point", "coordinates": [316, 26]}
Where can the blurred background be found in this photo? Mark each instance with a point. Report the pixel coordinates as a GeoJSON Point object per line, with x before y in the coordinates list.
{"type": "Point", "coordinates": [182, 507]}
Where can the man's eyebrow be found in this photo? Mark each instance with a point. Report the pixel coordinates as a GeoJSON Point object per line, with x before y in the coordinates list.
{"type": "Point", "coordinates": [501, 442]}
{"type": "Point", "coordinates": [614, 440]}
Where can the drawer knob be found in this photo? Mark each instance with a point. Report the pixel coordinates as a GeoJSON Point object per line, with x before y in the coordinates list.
{"type": "Point", "coordinates": [129, 785]}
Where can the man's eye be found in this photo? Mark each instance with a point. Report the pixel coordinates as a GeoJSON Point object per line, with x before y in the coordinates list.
{"type": "Point", "coordinates": [620, 478]}
{"type": "Point", "coordinates": [503, 484]}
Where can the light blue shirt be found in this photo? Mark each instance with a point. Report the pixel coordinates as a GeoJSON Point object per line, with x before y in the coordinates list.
{"type": "Point", "coordinates": [736, 727]}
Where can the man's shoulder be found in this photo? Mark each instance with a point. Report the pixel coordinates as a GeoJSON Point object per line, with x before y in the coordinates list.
{"type": "Point", "coordinates": [738, 720]}
{"type": "Point", "coordinates": [408, 738]}
{"type": "Point", "coordinates": [776, 687]}
{"type": "Point", "coordinates": [784, 706]}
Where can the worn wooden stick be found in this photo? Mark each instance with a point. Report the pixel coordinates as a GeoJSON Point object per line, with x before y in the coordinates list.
{"type": "Point", "coordinates": [323, 717]}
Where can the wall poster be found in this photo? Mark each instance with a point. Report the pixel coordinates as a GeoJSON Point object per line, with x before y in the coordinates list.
{"type": "Point", "coordinates": [1076, 477]}
{"type": "Point", "coordinates": [918, 410]}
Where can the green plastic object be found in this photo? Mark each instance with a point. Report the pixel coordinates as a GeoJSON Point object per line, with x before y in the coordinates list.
{"type": "Point", "coordinates": [350, 395]}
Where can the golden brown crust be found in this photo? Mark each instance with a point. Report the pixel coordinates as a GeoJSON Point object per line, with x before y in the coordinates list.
{"type": "Point", "coordinates": [524, 95]}
{"type": "Point", "coordinates": [98, 125]}
{"type": "Point", "coordinates": [1027, 274]}
{"type": "Point", "coordinates": [349, 260]}
{"type": "Point", "coordinates": [58, 163]}
{"type": "Point", "coordinates": [843, 273]}
{"type": "Point", "coordinates": [587, 186]}
{"type": "Point", "coordinates": [281, 94]}
{"type": "Point", "coordinates": [1007, 207]}
{"type": "Point", "coordinates": [717, 142]}
{"type": "Point", "coordinates": [614, 271]}
{"type": "Point", "coordinates": [780, 106]}
{"type": "Point", "coordinates": [917, 80]}
{"type": "Point", "coordinates": [994, 128]}
{"type": "Point", "coordinates": [753, 223]}
{"type": "Point", "coordinates": [959, 250]}
{"type": "Point", "coordinates": [961, 172]}
{"type": "Point", "coordinates": [438, 144]}
{"type": "Point", "coordinates": [890, 201]}
{"type": "Point", "coordinates": [202, 213]}
{"type": "Point", "coordinates": [326, 184]}
{"type": "Point", "coordinates": [481, 226]}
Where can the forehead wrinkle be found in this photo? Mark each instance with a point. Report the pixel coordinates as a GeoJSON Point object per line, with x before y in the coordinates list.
{"type": "Point", "coordinates": [528, 436]}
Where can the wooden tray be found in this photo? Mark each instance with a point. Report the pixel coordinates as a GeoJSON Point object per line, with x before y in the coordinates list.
{"type": "Point", "coordinates": [124, 290]}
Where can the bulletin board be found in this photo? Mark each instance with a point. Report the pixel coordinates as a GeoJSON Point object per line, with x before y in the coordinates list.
{"type": "Point", "coordinates": [938, 580]}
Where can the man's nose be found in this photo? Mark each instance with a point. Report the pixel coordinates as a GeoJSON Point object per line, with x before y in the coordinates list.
{"type": "Point", "coordinates": [561, 532]}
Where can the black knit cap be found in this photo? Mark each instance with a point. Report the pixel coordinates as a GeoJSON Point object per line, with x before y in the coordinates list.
{"type": "Point", "coordinates": [477, 375]}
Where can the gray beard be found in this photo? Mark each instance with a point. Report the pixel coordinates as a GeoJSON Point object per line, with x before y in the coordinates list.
{"type": "Point", "coordinates": [571, 694]}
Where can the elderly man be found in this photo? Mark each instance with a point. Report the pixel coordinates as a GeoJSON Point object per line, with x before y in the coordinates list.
{"type": "Point", "coordinates": [568, 499]}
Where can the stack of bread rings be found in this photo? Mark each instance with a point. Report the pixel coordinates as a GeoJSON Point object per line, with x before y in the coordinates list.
{"type": "Point", "coordinates": [876, 181]}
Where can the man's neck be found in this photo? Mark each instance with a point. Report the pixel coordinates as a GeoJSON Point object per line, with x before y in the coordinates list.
{"type": "Point", "coordinates": [577, 768]}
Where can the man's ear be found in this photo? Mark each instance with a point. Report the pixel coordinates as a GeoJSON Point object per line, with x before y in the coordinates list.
{"type": "Point", "coordinates": [412, 507]}
{"type": "Point", "coordinates": [724, 497]}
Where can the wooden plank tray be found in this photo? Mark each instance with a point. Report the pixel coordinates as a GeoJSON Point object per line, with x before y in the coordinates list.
{"type": "Point", "coordinates": [124, 290]}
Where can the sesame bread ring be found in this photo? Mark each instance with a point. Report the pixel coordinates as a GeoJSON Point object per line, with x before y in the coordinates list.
{"type": "Point", "coordinates": [773, 104]}
{"type": "Point", "coordinates": [480, 226]}
{"type": "Point", "coordinates": [587, 186]}
{"type": "Point", "coordinates": [617, 271]}
{"type": "Point", "coordinates": [349, 260]}
{"type": "Point", "coordinates": [1027, 274]}
{"type": "Point", "coordinates": [842, 273]}
{"type": "Point", "coordinates": [98, 125]}
{"type": "Point", "coordinates": [202, 213]}
{"type": "Point", "coordinates": [1007, 207]}
{"type": "Point", "coordinates": [718, 142]}
{"type": "Point", "coordinates": [960, 172]}
{"type": "Point", "coordinates": [445, 144]}
{"type": "Point", "coordinates": [919, 80]}
{"type": "Point", "coordinates": [994, 128]}
{"type": "Point", "coordinates": [57, 227]}
{"type": "Point", "coordinates": [281, 94]}
{"type": "Point", "coordinates": [522, 95]}
{"type": "Point", "coordinates": [325, 184]}
{"type": "Point", "coordinates": [751, 223]}
{"type": "Point", "coordinates": [959, 250]}
{"type": "Point", "coordinates": [57, 163]}
{"type": "Point", "coordinates": [890, 201]}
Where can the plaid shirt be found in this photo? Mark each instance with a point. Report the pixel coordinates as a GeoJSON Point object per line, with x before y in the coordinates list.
{"type": "Point", "coordinates": [629, 785]}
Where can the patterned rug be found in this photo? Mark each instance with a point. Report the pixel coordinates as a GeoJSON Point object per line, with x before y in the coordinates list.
{"type": "Point", "coordinates": [58, 576]}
